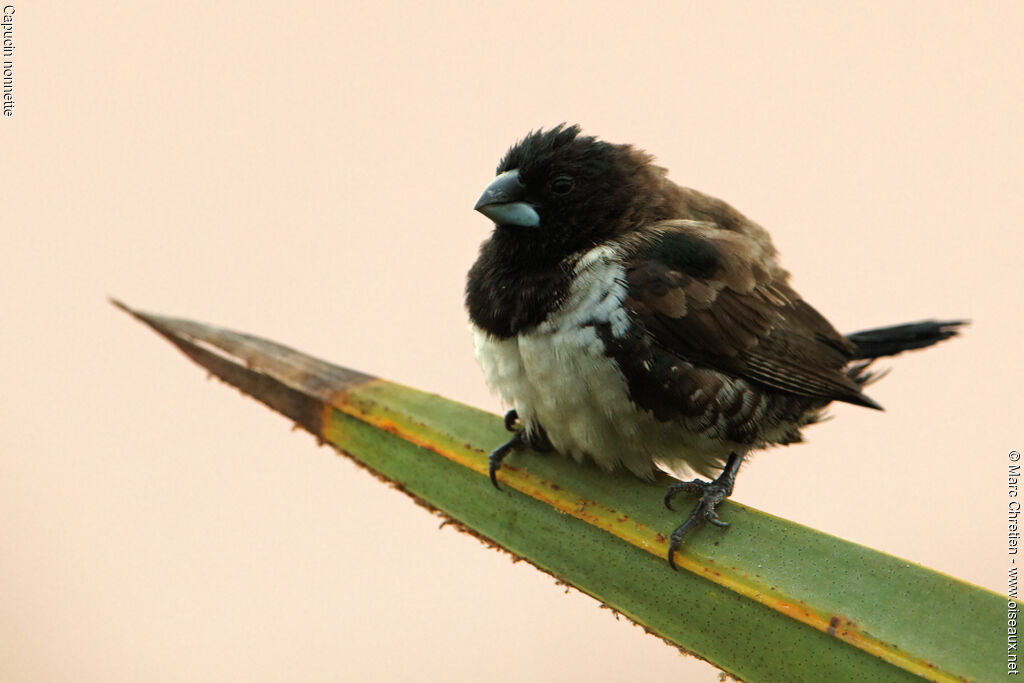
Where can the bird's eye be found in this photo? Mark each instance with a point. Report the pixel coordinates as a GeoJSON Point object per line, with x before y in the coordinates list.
{"type": "Point", "coordinates": [561, 185]}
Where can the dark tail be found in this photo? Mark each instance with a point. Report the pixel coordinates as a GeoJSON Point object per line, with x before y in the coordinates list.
{"type": "Point", "coordinates": [888, 341]}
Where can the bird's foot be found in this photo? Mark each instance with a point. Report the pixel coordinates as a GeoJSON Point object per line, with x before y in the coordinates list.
{"type": "Point", "coordinates": [498, 454]}
{"type": "Point", "coordinates": [711, 494]}
{"type": "Point", "coordinates": [537, 439]}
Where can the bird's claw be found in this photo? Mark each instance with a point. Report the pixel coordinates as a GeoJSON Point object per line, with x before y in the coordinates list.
{"type": "Point", "coordinates": [493, 465]}
{"type": "Point", "coordinates": [694, 486]}
{"type": "Point", "coordinates": [711, 494]}
{"type": "Point", "coordinates": [521, 438]}
{"type": "Point", "coordinates": [498, 454]}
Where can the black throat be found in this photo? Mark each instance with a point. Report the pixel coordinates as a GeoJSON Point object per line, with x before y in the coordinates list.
{"type": "Point", "coordinates": [515, 284]}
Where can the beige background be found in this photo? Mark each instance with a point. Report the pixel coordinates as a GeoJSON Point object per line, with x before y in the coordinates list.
{"type": "Point", "coordinates": [307, 172]}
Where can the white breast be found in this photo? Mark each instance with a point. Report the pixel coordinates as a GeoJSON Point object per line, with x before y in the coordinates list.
{"type": "Point", "coordinates": [559, 376]}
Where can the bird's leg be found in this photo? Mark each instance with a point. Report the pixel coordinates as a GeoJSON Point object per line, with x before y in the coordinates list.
{"type": "Point", "coordinates": [711, 494]}
{"type": "Point", "coordinates": [537, 439]}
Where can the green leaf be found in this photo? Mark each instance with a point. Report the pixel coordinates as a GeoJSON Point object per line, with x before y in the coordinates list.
{"type": "Point", "coordinates": [766, 600]}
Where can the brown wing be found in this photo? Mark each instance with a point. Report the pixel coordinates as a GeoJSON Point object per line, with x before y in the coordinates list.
{"type": "Point", "coordinates": [716, 299]}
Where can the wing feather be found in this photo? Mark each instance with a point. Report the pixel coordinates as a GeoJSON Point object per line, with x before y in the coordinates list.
{"type": "Point", "coordinates": [714, 298]}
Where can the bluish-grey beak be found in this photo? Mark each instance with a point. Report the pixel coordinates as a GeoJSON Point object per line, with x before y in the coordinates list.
{"type": "Point", "coordinates": [503, 201]}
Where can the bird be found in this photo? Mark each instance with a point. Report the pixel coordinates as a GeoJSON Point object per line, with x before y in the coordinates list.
{"type": "Point", "coordinates": [648, 327]}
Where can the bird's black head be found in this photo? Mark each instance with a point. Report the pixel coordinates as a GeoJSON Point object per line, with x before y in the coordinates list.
{"type": "Point", "coordinates": [559, 191]}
